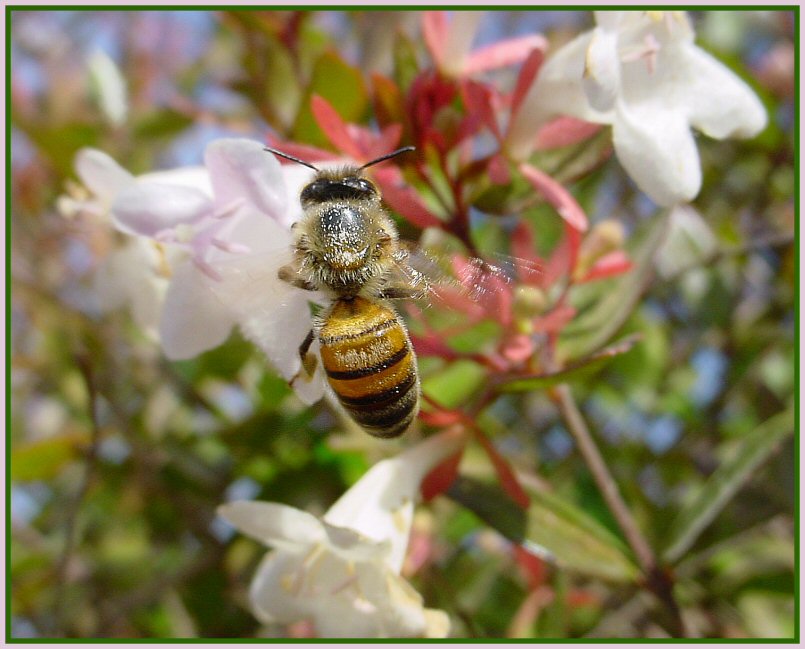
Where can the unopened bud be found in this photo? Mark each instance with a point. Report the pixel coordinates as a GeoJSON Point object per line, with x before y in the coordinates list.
{"type": "Point", "coordinates": [605, 237]}
{"type": "Point", "coordinates": [529, 302]}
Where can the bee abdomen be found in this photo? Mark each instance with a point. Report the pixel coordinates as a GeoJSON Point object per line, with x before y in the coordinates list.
{"type": "Point", "coordinates": [371, 366]}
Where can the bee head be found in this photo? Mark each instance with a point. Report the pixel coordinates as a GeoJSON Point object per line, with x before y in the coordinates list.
{"type": "Point", "coordinates": [339, 185]}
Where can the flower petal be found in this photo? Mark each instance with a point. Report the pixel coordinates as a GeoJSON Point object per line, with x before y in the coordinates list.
{"type": "Point", "coordinates": [399, 607]}
{"type": "Point", "coordinates": [128, 275]}
{"type": "Point", "coordinates": [689, 240]}
{"type": "Point", "coordinates": [110, 87]}
{"type": "Point", "coordinates": [193, 320]}
{"type": "Point", "coordinates": [602, 79]}
{"type": "Point", "coordinates": [101, 174]}
{"type": "Point", "coordinates": [193, 177]}
{"type": "Point", "coordinates": [657, 150]}
{"type": "Point", "coordinates": [719, 104]}
{"type": "Point", "coordinates": [276, 525]}
{"type": "Point", "coordinates": [271, 313]}
{"type": "Point", "coordinates": [147, 208]}
{"type": "Point", "coordinates": [275, 589]}
{"type": "Point", "coordinates": [241, 170]}
{"type": "Point", "coordinates": [380, 505]}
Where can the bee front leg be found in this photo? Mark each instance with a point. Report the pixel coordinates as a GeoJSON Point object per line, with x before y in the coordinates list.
{"type": "Point", "coordinates": [290, 275]}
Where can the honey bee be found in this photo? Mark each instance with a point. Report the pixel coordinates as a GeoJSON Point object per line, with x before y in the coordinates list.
{"type": "Point", "coordinates": [347, 247]}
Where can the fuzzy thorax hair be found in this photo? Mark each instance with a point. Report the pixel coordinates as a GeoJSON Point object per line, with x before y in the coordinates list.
{"type": "Point", "coordinates": [346, 246]}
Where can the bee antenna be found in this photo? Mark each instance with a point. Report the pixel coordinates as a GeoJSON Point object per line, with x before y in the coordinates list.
{"type": "Point", "coordinates": [287, 156]}
{"type": "Point", "coordinates": [389, 155]}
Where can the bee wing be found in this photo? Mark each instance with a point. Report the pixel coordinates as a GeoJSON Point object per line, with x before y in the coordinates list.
{"type": "Point", "coordinates": [271, 313]}
{"type": "Point", "coordinates": [468, 289]}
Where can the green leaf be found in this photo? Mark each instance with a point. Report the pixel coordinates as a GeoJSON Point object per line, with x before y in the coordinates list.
{"type": "Point", "coordinates": [574, 371]}
{"type": "Point", "coordinates": [455, 384]}
{"type": "Point", "coordinates": [284, 92]}
{"type": "Point", "coordinates": [551, 528]}
{"type": "Point", "coordinates": [491, 504]}
{"type": "Point", "coordinates": [724, 483]}
{"type": "Point", "coordinates": [163, 123]}
{"type": "Point", "coordinates": [343, 88]}
{"type": "Point", "coordinates": [44, 458]}
{"type": "Point", "coordinates": [61, 142]}
{"type": "Point", "coordinates": [406, 67]}
{"type": "Point", "coordinates": [575, 540]}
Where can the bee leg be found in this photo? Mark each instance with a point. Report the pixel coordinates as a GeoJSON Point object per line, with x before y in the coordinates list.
{"type": "Point", "coordinates": [399, 293]}
{"type": "Point", "coordinates": [308, 360]}
{"type": "Point", "coordinates": [289, 275]}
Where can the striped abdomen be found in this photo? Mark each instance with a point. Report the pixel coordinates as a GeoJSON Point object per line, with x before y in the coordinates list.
{"type": "Point", "coordinates": [370, 365]}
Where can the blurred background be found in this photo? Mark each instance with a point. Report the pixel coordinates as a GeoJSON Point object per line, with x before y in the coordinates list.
{"type": "Point", "coordinates": [119, 458]}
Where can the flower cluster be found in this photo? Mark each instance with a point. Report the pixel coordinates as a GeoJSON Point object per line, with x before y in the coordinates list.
{"type": "Point", "coordinates": [342, 571]}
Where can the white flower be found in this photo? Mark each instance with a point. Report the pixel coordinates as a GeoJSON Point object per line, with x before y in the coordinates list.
{"type": "Point", "coordinates": [109, 86]}
{"type": "Point", "coordinates": [206, 245]}
{"type": "Point", "coordinates": [137, 274]}
{"type": "Point", "coordinates": [689, 240]}
{"type": "Point", "coordinates": [343, 571]}
{"type": "Point", "coordinates": [642, 73]}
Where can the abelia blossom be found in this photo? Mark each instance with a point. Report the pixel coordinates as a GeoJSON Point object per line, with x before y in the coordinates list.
{"type": "Point", "coordinates": [208, 243]}
{"type": "Point", "coordinates": [342, 571]}
{"type": "Point", "coordinates": [641, 73]}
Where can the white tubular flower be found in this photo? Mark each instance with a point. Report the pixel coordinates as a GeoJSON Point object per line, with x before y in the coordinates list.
{"type": "Point", "coordinates": [642, 73]}
{"type": "Point", "coordinates": [206, 244]}
{"type": "Point", "coordinates": [342, 572]}
{"type": "Point", "coordinates": [109, 86]}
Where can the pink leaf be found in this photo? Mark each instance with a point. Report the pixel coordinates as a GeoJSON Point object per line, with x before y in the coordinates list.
{"type": "Point", "coordinates": [480, 101]}
{"type": "Point", "coordinates": [555, 320]}
{"type": "Point", "coordinates": [504, 53]}
{"type": "Point", "coordinates": [506, 476]}
{"type": "Point", "coordinates": [614, 263]}
{"type": "Point", "coordinates": [563, 258]}
{"type": "Point", "coordinates": [532, 566]}
{"type": "Point", "coordinates": [564, 131]}
{"type": "Point", "coordinates": [498, 170]}
{"type": "Point", "coordinates": [434, 31]}
{"type": "Point", "coordinates": [386, 142]}
{"type": "Point", "coordinates": [518, 348]}
{"type": "Point", "coordinates": [431, 345]}
{"type": "Point", "coordinates": [530, 266]}
{"type": "Point", "coordinates": [406, 202]}
{"type": "Point", "coordinates": [526, 77]}
{"type": "Point", "coordinates": [441, 418]}
{"type": "Point", "coordinates": [334, 127]}
{"type": "Point", "coordinates": [556, 195]}
{"type": "Point", "coordinates": [301, 151]}
{"type": "Point", "coordinates": [439, 479]}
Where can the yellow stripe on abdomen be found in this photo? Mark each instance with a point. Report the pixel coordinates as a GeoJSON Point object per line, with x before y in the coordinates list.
{"type": "Point", "coordinates": [370, 365]}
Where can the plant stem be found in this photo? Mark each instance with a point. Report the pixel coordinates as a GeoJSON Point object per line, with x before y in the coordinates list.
{"type": "Point", "coordinates": [657, 580]}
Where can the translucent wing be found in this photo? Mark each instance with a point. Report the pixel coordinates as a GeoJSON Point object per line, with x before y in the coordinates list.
{"type": "Point", "coordinates": [472, 286]}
